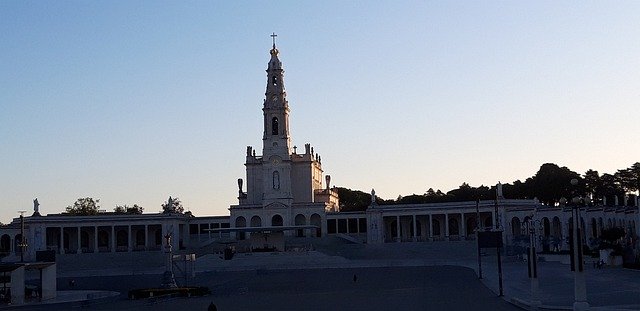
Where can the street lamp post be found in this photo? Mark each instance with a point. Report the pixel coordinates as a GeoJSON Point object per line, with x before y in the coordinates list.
{"type": "Point", "coordinates": [533, 264]}
{"type": "Point", "coordinates": [580, 286]}
{"type": "Point", "coordinates": [23, 241]}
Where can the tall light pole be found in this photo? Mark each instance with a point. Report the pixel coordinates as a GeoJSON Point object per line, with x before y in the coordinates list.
{"type": "Point", "coordinates": [580, 286]}
{"type": "Point", "coordinates": [23, 241]}
{"type": "Point", "coordinates": [533, 264]}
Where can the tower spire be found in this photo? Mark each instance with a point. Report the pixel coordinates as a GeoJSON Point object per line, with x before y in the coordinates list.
{"type": "Point", "coordinates": [276, 139]}
{"type": "Point", "coordinates": [273, 37]}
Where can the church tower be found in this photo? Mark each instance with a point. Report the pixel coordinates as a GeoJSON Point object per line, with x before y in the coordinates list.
{"type": "Point", "coordinates": [276, 138]}
{"type": "Point", "coordinates": [284, 183]}
{"type": "Point", "coordinates": [276, 141]}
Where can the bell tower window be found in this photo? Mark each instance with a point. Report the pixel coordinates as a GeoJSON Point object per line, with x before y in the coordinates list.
{"type": "Point", "coordinates": [274, 126]}
{"type": "Point", "coordinates": [274, 80]}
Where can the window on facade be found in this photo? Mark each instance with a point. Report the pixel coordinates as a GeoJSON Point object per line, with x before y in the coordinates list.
{"type": "Point", "coordinates": [274, 80]}
{"type": "Point", "coordinates": [276, 180]}
{"type": "Point", "coordinates": [274, 126]}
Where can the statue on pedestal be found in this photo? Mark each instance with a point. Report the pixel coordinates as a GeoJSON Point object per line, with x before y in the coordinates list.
{"type": "Point", "coordinates": [36, 207]}
{"type": "Point", "coordinates": [373, 197]}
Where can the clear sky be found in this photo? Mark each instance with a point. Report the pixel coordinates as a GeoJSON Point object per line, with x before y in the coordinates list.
{"type": "Point", "coordinates": [133, 101]}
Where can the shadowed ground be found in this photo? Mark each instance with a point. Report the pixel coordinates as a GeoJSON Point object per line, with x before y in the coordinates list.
{"type": "Point", "coordinates": [397, 288]}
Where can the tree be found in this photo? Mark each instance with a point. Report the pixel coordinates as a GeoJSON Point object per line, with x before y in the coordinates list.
{"type": "Point", "coordinates": [125, 209]}
{"type": "Point", "coordinates": [552, 182]}
{"type": "Point", "coordinates": [610, 186]}
{"type": "Point", "coordinates": [353, 200]}
{"type": "Point", "coordinates": [463, 193]}
{"type": "Point", "coordinates": [629, 178]}
{"type": "Point", "coordinates": [592, 182]}
{"type": "Point", "coordinates": [172, 206]}
{"type": "Point", "coordinates": [634, 175]}
{"type": "Point", "coordinates": [519, 189]}
{"type": "Point", "coordinates": [84, 207]}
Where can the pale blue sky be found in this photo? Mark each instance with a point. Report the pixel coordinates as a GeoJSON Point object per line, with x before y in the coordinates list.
{"type": "Point", "coordinates": [133, 101]}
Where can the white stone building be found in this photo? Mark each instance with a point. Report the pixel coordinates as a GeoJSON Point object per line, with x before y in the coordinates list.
{"type": "Point", "coordinates": [284, 187]}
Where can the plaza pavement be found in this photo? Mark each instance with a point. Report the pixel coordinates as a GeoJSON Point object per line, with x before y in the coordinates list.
{"type": "Point", "coordinates": [407, 276]}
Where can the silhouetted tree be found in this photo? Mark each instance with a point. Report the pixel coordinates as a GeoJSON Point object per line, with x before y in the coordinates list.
{"type": "Point", "coordinates": [84, 207]}
{"type": "Point", "coordinates": [552, 182]}
{"type": "Point", "coordinates": [173, 205]}
{"type": "Point", "coordinates": [610, 187]}
{"type": "Point", "coordinates": [463, 193]}
{"type": "Point", "coordinates": [549, 185]}
{"type": "Point", "coordinates": [353, 200]}
{"type": "Point", "coordinates": [629, 178]}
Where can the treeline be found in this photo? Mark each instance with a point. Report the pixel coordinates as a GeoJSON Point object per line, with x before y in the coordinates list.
{"type": "Point", "coordinates": [549, 185]}
{"type": "Point", "coordinates": [89, 206]}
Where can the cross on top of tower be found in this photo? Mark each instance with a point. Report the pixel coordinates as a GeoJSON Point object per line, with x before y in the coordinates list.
{"type": "Point", "coordinates": [273, 37]}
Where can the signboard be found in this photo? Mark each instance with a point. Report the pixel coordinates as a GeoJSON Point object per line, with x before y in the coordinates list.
{"type": "Point", "coordinates": [490, 239]}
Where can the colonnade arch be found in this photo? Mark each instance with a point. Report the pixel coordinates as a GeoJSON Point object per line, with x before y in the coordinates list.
{"type": "Point", "coordinates": [300, 220]}
{"type": "Point", "coordinates": [276, 220]}
{"type": "Point", "coordinates": [316, 220]}
{"type": "Point", "coordinates": [436, 228]}
{"type": "Point", "coordinates": [256, 221]}
{"type": "Point", "coordinates": [241, 222]}
{"type": "Point", "coordinates": [546, 227]}
{"type": "Point", "coordinates": [453, 227]}
{"type": "Point", "coordinates": [557, 227]}
{"type": "Point", "coordinates": [471, 225]}
{"type": "Point", "coordinates": [5, 243]}
{"type": "Point", "coordinates": [516, 228]}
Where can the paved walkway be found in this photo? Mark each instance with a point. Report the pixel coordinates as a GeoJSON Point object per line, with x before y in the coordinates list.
{"type": "Point", "coordinates": [240, 278]}
{"type": "Point", "coordinates": [607, 289]}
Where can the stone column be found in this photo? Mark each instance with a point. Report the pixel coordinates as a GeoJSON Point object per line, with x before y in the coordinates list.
{"type": "Point", "coordinates": [431, 227]}
{"type": "Point", "coordinates": [415, 235]}
{"type": "Point", "coordinates": [348, 231]}
{"type": "Point", "coordinates": [463, 232]}
{"type": "Point", "coordinates": [129, 244]}
{"type": "Point", "coordinates": [197, 228]}
{"type": "Point", "coordinates": [79, 246]}
{"type": "Point", "coordinates": [358, 226]}
{"type": "Point", "coordinates": [493, 220]}
{"type": "Point", "coordinates": [95, 239]}
{"type": "Point", "coordinates": [113, 239]}
{"type": "Point", "coordinates": [446, 226]}
{"type": "Point", "coordinates": [61, 240]}
{"type": "Point", "coordinates": [146, 236]}
{"type": "Point", "coordinates": [398, 236]}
